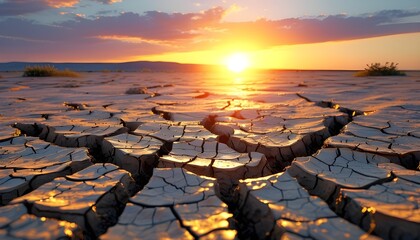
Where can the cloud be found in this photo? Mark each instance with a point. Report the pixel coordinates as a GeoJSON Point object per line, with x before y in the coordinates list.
{"type": "Point", "coordinates": [25, 39]}
{"type": "Point", "coordinates": [151, 25]}
{"type": "Point", "coordinates": [130, 34]}
{"type": "Point", "coordinates": [129, 39]}
{"type": "Point", "coordinates": [20, 7]}
{"type": "Point", "coordinates": [330, 28]}
{"type": "Point", "coordinates": [108, 1]}
{"type": "Point", "coordinates": [61, 3]}
{"type": "Point", "coordinates": [110, 37]}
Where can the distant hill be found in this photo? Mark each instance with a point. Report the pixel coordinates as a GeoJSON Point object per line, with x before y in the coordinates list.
{"type": "Point", "coordinates": [140, 66]}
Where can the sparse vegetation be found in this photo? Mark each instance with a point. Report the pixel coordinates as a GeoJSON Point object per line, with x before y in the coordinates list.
{"type": "Point", "coordinates": [48, 71]}
{"type": "Point", "coordinates": [376, 69]}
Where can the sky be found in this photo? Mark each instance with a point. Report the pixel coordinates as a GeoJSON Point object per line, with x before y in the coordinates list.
{"type": "Point", "coordinates": [284, 34]}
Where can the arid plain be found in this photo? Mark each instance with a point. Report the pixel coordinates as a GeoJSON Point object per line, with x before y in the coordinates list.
{"type": "Point", "coordinates": [281, 155]}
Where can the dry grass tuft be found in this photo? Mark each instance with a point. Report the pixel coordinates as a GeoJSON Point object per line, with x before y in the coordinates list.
{"type": "Point", "coordinates": [376, 69]}
{"type": "Point", "coordinates": [48, 71]}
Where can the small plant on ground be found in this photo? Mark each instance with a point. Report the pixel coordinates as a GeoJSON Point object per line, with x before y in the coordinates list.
{"type": "Point", "coordinates": [376, 69]}
{"type": "Point", "coordinates": [47, 71]}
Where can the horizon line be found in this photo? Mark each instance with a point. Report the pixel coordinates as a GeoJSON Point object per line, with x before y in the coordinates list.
{"type": "Point", "coordinates": [195, 64]}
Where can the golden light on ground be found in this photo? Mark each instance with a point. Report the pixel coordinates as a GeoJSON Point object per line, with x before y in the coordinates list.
{"type": "Point", "coordinates": [238, 62]}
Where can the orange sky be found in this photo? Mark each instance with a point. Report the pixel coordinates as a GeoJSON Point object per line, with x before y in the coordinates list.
{"type": "Point", "coordinates": [297, 34]}
{"type": "Point", "coordinates": [341, 55]}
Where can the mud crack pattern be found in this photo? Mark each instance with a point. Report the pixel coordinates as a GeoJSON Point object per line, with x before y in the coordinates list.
{"type": "Point", "coordinates": [200, 156]}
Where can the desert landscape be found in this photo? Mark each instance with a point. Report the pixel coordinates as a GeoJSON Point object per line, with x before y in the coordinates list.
{"type": "Point", "coordinates": [280, 155]}
{"type": "Point", "coordinates": [224, 119]}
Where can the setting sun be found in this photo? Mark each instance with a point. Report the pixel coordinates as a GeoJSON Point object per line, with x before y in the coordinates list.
{"type": "Point", "coordinates": [185, 100]}
{"type": "Point", "coordinates": [237, 62]}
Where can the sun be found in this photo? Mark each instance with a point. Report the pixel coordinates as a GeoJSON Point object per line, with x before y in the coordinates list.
{"type": "Point", "coordinates": [237, 62]}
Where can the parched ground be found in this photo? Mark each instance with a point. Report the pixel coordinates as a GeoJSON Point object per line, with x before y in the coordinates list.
{"type": "Point", "coordinates": [286, 155]}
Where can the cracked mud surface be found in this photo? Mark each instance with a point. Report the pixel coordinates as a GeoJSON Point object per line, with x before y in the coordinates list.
{"type": "Point", "coordinates": [383, 133]}
{"type": "Point", "coordinates": [293, 211]}
{"type": "Point", "coordinates": [214, 159]}
{"type": "Point", "coordinates": [175, 204]}
{"type": "Point", "coordinates": [16, 223]}
{"type": "Point", "coordinates": [28, 162]}
{"type": "Point", "coordinates": [201, 156]}
{"type": "Point", "coordinates": [92, 198]}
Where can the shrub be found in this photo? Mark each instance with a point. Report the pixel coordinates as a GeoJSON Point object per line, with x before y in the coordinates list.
{"type": "Point", "coordinates": [47, 71]}
{"type": "Point", "coordinates": [376, 69]}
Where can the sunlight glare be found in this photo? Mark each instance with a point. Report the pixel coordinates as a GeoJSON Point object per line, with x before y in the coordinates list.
{"type": "Point", "coordinates": [237, 62]}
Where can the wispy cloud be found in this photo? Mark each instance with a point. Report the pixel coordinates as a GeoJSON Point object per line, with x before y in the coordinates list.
{"type": "Point", "coordinates": [135, 40]}
{"type": "Point", "coordinates": [108, 1]}
{"type": "Point", "coordinates": [25, 39]}
{"type": "Point", "coordinates": [61, 3]}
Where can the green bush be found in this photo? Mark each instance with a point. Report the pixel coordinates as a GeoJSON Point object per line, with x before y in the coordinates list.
{"type": "Point", "coordinates": [47, 71]}
{"type": "Point", "coordinates": [376, 69]}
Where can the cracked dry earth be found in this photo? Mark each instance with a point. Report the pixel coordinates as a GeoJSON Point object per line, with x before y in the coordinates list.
{"type": "Point", "coordinates": [287, 155]}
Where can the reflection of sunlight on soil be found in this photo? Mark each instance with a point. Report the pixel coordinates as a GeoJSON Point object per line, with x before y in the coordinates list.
{"type": "Point", "coordinates": [15, 89]}
{"type": "Point", "coordinates": [234, 85]}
